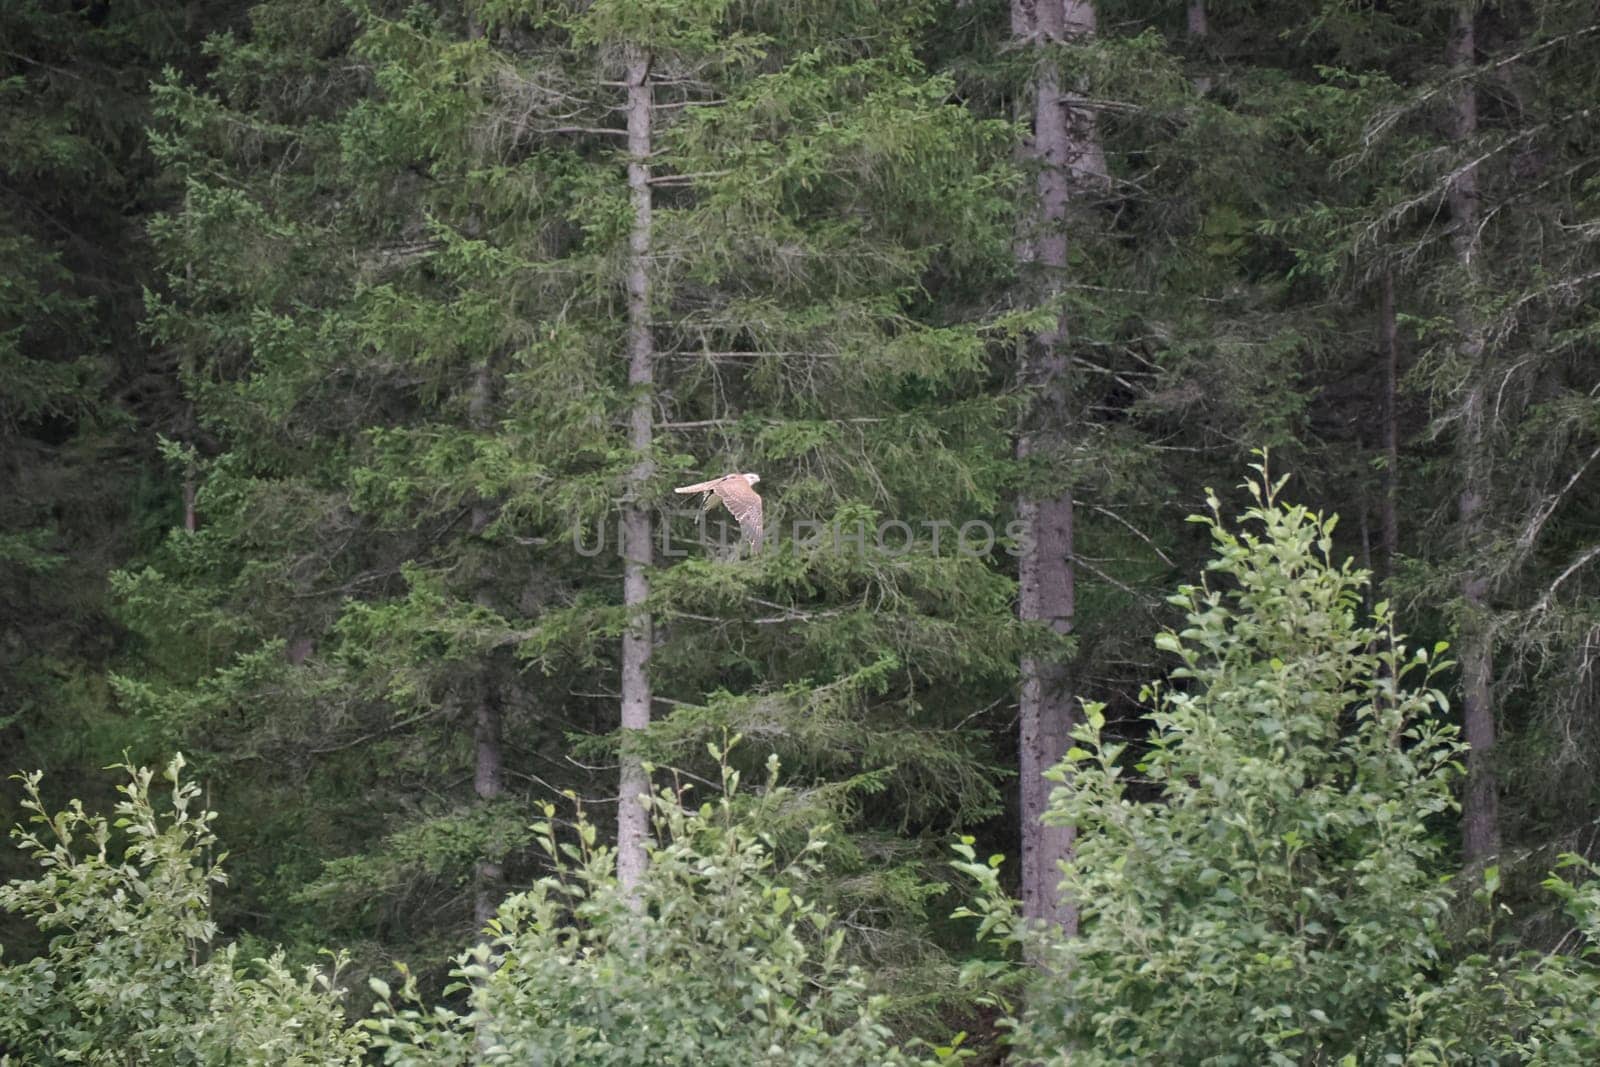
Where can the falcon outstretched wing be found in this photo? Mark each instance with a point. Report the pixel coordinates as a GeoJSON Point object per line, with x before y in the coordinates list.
{"type": "Point", "coordinates": [744, 504]}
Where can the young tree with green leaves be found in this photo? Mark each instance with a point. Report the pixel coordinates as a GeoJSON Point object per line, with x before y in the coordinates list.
{"type": "Point", "coordinates": [1259, 875]}
{"type": "Point", "coordinates": [132, 973]}
{"type": "Point", "coordinates": [715, 954]}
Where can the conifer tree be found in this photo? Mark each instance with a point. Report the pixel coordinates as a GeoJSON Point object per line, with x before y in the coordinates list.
{"type": "Point", "coordinates": [380, 561]}
{"type": "Point", "coordinates": [1462, 177]}
{"type": "Point", "coordinates": [1480, 818]}
{"type": "Point", "coordinates": [83, 395]}
{"type": "Point", "coordinates": [75, 181]}
{"type": "Point", "coordinates": [637, 550]}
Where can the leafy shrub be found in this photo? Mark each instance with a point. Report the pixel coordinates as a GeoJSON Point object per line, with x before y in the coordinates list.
{"type": "Point", "coordinates": [129, 977]}
{"type": "Point", "coordinates": [718, 958]}
{"type": "Point", "coordinates": [1260, 879]}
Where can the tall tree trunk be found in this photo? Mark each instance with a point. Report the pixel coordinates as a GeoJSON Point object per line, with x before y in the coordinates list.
{"type": "Point", "coordinates": [1199, 28]}
{"type": "Point", "coordinates": [1067, 153]}
{"type": "Point", "coordinates": [1389, 521]}
{"type": "Point", "coordinates": [487, 776]}
{"type": "Point", "coordinates": [1480, 811]}
{"type": "Point", "coordinates": [1366, 536]}
{"type": "Point", "coordinates": [636, 547]}
{"type": "Point", "coordinates": [191, 521]}
{"type": "Point", "coordinates": [191, 425]}
{"type": "Point", "coordinates": [191, 489]}
{"type": "Point", "coordinates": [488, 782]}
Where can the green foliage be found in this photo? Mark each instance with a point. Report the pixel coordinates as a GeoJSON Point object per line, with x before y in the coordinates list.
{"type": "Point", "coordinates": [722, 956]}
{"type": "Point", "coordinates": [71, 164]}
{"type": "Point", "coordinates": [1283, 891]}
{"type": "Point", "coordinates": [396, 302]}
{"type": "Point", "coordinates": [351, 271]}
{"type": "Point", "coordinates": [131, 975]}
{"type": "Point", "coordinates": [1277, 898]}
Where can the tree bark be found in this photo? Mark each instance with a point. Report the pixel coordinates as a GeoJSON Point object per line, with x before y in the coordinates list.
{"type": "Point", "coordinates": [1389, 521]}
{"type": "Point", "coordinates": [1199, 28]}
{"type": "Point", "coordinates": [191, 521]}
{"type": "Point", "coordinates": [1066, 150]}
{"type": "Point", "coordinates": [488, 780]}
{"type": "Point", "coordinates": [1480, 810]}
{"type": "Point", "coordinates": [636, 546]}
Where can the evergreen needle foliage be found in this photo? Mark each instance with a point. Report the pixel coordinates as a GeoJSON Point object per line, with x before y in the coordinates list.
{"type": "Point", "coordinates": [338, 338]}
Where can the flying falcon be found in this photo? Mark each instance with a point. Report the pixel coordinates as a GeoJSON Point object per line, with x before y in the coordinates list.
{"type": "Point", "coordinates": [736, 494]}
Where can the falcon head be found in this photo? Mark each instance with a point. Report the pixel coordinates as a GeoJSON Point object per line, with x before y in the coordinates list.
{"type": "Point", "coordinates": [752, 479]}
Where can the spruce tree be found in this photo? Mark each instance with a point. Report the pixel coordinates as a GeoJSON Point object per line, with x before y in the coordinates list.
{"type": "Point", "coordinates": [1071, 167]}
{"type": "Point", "coordinates": [82, 394]}
{"type": "Point", "coordinates": [1462, 141]}
{"type": "Point", "coordinates": [382, 553]}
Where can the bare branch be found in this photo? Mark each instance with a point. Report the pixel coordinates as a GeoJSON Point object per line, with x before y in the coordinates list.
{"type": "Point", "coordinates": [605, 130]}
{"type": "Point", "coordinates": [1530, 533]}
{"type": "Point", "coordinates": [1550, 591]}
{"type": "Point", "coordinates": [675, 179]}
{"type": "Point", "coordinates": [698, 424]}
{"type": "Point", "coordinates": [1133, 530]}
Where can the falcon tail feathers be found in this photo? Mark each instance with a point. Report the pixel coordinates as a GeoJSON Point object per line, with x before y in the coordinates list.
{"type": "Point", "coordinates": [698, 487]}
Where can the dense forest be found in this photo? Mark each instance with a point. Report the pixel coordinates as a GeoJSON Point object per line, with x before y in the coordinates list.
{"type": "Point", "coordinates": [1170, 628]}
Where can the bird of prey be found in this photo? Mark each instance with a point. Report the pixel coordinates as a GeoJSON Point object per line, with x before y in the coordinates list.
{"type": "Point", "coordinates": [736, 494]}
